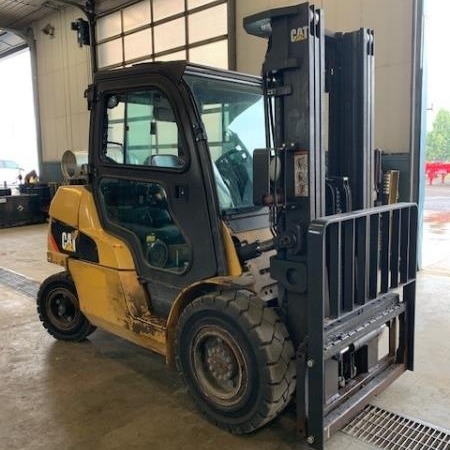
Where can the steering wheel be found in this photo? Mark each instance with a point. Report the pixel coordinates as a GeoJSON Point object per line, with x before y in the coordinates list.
{"type": "Point", "coordinates": [235, 167]}
{"type": "Point", "coordinates": [234, 141]}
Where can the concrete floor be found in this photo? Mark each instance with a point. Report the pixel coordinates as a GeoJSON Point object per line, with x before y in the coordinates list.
{"type": "Point", "coordinates": [106, 393]}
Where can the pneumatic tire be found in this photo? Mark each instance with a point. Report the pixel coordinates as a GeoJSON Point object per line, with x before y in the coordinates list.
{"type": "Point", "coordinates": [237, 360]}
{"type": "Point", "coordinates": [59, 309]}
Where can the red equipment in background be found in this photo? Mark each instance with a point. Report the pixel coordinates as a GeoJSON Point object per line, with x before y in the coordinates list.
{"type": "Point", "coordinates": [433, 169]}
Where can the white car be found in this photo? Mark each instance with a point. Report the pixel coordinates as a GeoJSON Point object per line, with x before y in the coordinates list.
{"type": "Point", "coordinates": [10, 172]}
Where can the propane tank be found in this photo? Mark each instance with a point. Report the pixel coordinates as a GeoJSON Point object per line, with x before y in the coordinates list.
{"type": "Point", "coordinates": [74, 164]}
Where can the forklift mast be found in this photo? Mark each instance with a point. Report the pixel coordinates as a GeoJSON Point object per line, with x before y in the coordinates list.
{"type": "Point", "coordinates": [303, 62]}
{"type": "Point", "coordinates": [346, 269]}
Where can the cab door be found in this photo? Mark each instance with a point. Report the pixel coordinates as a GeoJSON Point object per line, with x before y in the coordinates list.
{"type": "Point", "coordinates": [149, 183]}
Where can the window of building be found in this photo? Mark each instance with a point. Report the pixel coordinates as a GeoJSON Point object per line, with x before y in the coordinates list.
{"type": "Point", "coordinates": [164, 30]}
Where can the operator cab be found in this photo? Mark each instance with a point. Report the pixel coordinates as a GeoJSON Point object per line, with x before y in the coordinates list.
{"type": "Point", "coordinates": [172, 152]}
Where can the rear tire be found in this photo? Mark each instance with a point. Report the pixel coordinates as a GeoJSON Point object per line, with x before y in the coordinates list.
{"type": "Point", "coordinates": [59, 309]}
{"type": "Point", "coordinates": [237, 360]}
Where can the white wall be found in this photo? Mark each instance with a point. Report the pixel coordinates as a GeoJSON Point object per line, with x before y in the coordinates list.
{"type": "Point", "coordinates": [392, 22]}
{"type": "Point", "coordinates": [63, 72]}
{"type": "Point", "coordinates": [64, 68]}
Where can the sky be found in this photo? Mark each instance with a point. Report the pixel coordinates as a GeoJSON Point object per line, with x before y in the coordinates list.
{"type": "Point", "coordinates": [17, 119]}
{"type": "Point", "coordinates": [437, 39]}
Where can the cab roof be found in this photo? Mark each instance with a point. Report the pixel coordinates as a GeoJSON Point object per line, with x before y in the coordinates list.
{"type": "Point", "coordinates": [175, 70]}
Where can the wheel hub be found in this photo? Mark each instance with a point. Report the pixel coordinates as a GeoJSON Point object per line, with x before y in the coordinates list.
{"type": "Point", "coordinates": [62, 309]}
{"type": "Point", "coordinates": [221, 362]}
{"type": "Point", "coordinates": [219, 365]}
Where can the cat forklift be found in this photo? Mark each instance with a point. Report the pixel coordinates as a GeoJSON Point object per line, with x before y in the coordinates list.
{"type": "Point", "coordinates": [228, 223]}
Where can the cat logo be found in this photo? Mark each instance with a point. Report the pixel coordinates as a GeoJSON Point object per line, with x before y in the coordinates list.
{"type": "Point", "coordinates": [299, 34]}
{"type": "Point", "coordinates": [68, 241]}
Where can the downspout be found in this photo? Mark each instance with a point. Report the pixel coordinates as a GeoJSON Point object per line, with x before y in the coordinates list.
{"type": "Point", "coordinates": [91, 17]}
{"type": "Point", "coordinates": [89, 11]}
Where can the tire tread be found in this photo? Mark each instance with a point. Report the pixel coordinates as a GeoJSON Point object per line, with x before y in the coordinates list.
{"type": "Point", "coordinates": [264, 327]}
{"type": "Point", "coordinates": [60, 278]}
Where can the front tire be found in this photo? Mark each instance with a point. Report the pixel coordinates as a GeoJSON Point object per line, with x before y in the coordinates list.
{"type": "Point", "coordinates": [59, 309]}
{"type": "Point", "coordinates": [237, 360]}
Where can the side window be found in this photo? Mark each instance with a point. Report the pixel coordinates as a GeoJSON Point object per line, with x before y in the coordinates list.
{"type": "Point", "coordinates": [141, 129]}
{"type": "Point", "coordinates": [141, 207]}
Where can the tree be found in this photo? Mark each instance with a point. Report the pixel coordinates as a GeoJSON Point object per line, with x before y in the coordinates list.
{"type": "Point", "coordinates": [438, 139]}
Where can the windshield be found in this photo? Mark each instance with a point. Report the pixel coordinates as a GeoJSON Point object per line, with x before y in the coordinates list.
{"type": "Point", "coordinates": [233, 115]}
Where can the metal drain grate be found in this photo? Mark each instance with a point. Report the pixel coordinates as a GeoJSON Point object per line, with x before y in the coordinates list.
{"type": "Point", "coordinates": [19, 283]}
{"type": "Point", "coordinates": [393, 432]}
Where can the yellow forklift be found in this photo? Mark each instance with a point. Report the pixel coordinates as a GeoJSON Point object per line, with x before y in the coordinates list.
{"type": "Point", "coordinates": [220, 227]}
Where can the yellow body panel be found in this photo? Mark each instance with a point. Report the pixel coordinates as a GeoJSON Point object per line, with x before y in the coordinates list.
{"type": "Point", "coordinates": [104, 295]}
{"type": "Point", "coordinates": [234, 265]}
{"type": "Point", "coordinates": [112, 251]}
{"type": "Point", "coordinates": [66, 204]}
{"type": "Point", "coordinates": [74, 206]}
{"type": "Point", "coordinates": [55, 257]}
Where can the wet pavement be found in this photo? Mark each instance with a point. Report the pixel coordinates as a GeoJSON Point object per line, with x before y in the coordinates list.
{"type": "Point", "coordinates": [436, 237]}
